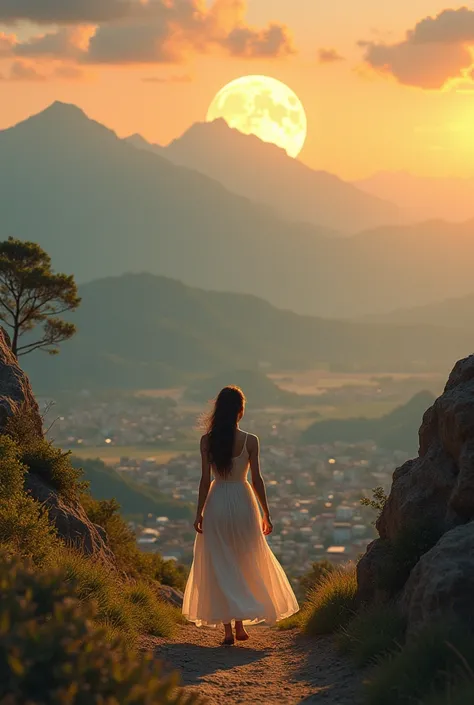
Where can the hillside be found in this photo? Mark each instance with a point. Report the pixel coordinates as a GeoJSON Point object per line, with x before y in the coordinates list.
{"type": "Point", "coordinates": [450, 313]}
{"type": "Point", "coordinates": [101, 207]}
{"type": "Point", "coordinates": [265, 173]}
{"type": "Point", "coordinates": [260, 391]}
{"type": "Point", "coordinates": [143, 331]}
{"type": "Point", "coordinates": [397, 430]}
{"type": "Point", "coordinates": [134, 499]}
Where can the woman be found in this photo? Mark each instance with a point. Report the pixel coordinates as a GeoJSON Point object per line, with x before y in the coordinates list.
{"type": "Point", "coordinates": [235, 577]}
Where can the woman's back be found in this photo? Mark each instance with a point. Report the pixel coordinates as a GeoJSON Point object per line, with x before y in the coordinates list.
{"type": "Point", "coordinates": [240, 462]}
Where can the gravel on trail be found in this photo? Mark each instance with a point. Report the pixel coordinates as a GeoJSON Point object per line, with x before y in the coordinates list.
{"type": "Point", "coordinates": [281, 667]}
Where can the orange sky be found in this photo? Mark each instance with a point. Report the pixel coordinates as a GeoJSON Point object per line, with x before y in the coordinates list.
{"type": "Point", "coordinates": [361, 118]}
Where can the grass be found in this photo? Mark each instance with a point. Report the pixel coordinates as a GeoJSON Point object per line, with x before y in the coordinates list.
{"type": "Point", "coordinates": [374, 632]}
{"type": "Point", "coordinates": [332, 603]}
{"type": "Point", "coordinates": [438, 661]}
{"type": "Point", "coordinates": [132, 607]}
{"type": "Point", "coordinates": [293, 622]}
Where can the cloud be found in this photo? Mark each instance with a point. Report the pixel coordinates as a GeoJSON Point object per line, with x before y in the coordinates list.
{"type": "Point", "coordinates": [66, 11]}
{"type": "Point", "coordinates": [436, 50]}
{"type": "Point", "coordinates": [21, 71]}
{"type": "Point", "coordinates": [69, 73]}
{"type": "Point", "coordinates": [178, 78]}
{"type": "Point", "coordinates": [329, 56]}
{"type": "Point", "coordinates": [146, 31]}
{"type": "Point", "coordinates": [7, 43]}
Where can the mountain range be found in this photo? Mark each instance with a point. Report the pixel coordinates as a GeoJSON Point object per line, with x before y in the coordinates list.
{"type": "Point", "coordinates": [397, 430]}
{"type": "Point", "coordinates": [423, 197]}
{"type": "Point", "coordinates": [264, 173]}
{"type": "Point", "coordinates": [102, 207]}
{"type": "Point", "coordinates": [144, 331]}
{"type": "Point", "coordinates": [450, 313]}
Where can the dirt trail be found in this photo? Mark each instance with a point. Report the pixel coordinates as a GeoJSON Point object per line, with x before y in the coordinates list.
{"type": "Point", "coordinates": [284, 668]}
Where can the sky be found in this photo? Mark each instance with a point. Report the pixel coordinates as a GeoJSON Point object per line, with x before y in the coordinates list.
{"type": "Point", "coordinates": [386, 86]}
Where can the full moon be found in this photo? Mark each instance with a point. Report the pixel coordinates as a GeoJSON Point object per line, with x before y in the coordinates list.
{"type": "Point", "coordinates": [265, 107]}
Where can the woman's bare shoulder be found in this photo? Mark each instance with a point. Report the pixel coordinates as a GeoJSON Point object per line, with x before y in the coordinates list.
{"type": "Point", "coordinates": [253, 441]}
{"type": "Point", "coordinates": [204, 442]}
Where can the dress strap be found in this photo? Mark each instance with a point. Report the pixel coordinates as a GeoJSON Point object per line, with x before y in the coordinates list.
{"type": "Point", "coordinates": [245, 444]}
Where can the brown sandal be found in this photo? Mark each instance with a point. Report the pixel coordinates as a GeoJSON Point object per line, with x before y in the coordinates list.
{"type": "Point", "coordinates": [228, 641]}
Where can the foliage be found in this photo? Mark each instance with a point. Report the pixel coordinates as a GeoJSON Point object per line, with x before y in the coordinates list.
{"type": "Point", "coordinates": [31, 295]}
{"type": "Point", "coordinates": [435, 662]}
{"type": "Point", "coordinates": [55, 654]}
{"type": "Point", "coordinates": [460, 692]}
{"type": "Point", "coordinates": [24, 526]}
{"type": "Point", "coordinates": [378, 501]}
{"type": "Point", "coordinates": [319, 570]}
{"type": "Point", "coordinates": [412, 542]}
{"type": "Point", "coordinates": [332, 603]}
{"type": "Point", "coordinates": [293, 622]}
{"type": "Point", "coordinates": [375, 631]}
{"type": "Point", "coordinates": [122, 541]}
{"type": "Point", "coordinates": [40, 457]}
{"type": "Point", "coordinates": [118, 606]}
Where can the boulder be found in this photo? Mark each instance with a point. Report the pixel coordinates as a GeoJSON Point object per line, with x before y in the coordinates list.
{"type": "Point", "coordinates": [70, 520]}
{"type": "Point", "coordinates": [442, 582]}
{"type": "Point", "coordinates": [436, 489]}
{"type": "Point", "coordinates": [170, 595]}
{"type": "Point", "coordinates": [15, 388]}
{"type": "Point", "coordinates": [68, 516]}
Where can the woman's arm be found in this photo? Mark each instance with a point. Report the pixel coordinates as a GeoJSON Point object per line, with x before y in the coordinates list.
{"type": "Point", "coordinates": [204, 485]}
{"type": "Point", "coordinates": [253, 445]}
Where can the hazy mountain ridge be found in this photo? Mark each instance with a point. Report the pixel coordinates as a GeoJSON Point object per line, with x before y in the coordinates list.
{"type": "Point", "coordinates": [101, 207]}
{"type": "Point", "coordinates": [144, 331]}
{"type": "Point", "coordinates": [397, 430]}
{"type": "Point", "coordinates": [266, 174]}
{"type": "Point", "coordinates": [449, 313]}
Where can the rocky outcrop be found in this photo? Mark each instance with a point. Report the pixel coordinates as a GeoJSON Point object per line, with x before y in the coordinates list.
{"type": "Point", "coordinates": [442, 582]}
{"type": "Point", "coordinates": [70, 520]}
{"type": "Point", "coordinates": [15, 388]}
{"type": "Point", "coordinates": [68, 516]}
{"type": "Point", "coordinates": [170, 595]}
{"type": "Point", "coordinates": [433, 493]}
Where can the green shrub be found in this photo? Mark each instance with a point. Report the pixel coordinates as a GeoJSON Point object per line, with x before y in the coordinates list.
{"type": "Point", "coordinates": [436, 660]}
{"type": "Point", "coordinates": [122, 541]}
{"type": "Point", "coordinates": [374, 632]}
{"type": "Point", "coordinates": [411, 543]}
{"type": "Point", "coordinates": [377, 503]}
{"type": "Point", "coordinates": [332, 603]}
{"type": "Point", "coordinates": [55, 654]}
{"type": "Point", "coordinates": [41, 458]}
{"type": "Point", "coordinates": [293, 622]}
{"type": "Point", "coordinates": [132, 607]}
{"type": "Point", "coordinates": [319, 570]}
{"type": "Point", "coordinates": [24, 526]}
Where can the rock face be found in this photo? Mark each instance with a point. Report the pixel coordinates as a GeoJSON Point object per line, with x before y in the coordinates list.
{"type": "Point", "coordinates": [434, 490]}
{"type": "Point", "coordinates": [442, 583]}
{"type": "Point", "coordinates": [69, 517]}
{"type": "Point", "coordinates": [15, 388]}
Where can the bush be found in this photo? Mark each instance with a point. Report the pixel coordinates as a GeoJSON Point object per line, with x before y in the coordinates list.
{"type": "Point", "coordinates": [430, 665]}
{"type": "Point", "coordinates": [24, 526]}
{"type": "Point", "coordinates": [122, 541]}
{"type": "Point", "coordinates": [311, 580]}
{"type": "Point", "coordinates": [332, 604]}
{"type": "Point", "coordinates": [55, 654]}
{"type": "Point", "coordinates": [374, 632]}
{"type": "Point", "coordinates": [132, 607]}
{"type": "Point", "coordinates": [460, 693]}
{"type": "Point", "coordinates": [293, 622]}
{"type": "Point", "coordinates": [411, 543]}
{"type": "Point", "coordinates": [41, 458]}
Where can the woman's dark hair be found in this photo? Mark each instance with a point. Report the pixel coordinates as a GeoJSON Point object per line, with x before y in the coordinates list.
{"type": "Point", "coordinates": [221, 427]}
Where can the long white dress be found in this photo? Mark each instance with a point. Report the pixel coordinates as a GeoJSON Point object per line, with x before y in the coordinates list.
{"type": "Point", "coordinates": [235, 575]}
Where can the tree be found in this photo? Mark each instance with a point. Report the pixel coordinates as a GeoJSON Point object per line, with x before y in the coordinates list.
{"type": "Point", "coordinates": [32, 295]}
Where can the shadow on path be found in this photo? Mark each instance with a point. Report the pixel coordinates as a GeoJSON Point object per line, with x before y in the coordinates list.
{"type": "Point", "coordinates": [195, 661]}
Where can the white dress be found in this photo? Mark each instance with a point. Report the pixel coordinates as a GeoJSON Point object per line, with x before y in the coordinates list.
{"type": "Point", "coordinates": [235, 575]}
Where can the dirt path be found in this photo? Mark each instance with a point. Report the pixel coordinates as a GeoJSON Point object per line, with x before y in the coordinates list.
{"type": "Point", "coordinates": [273, 667]}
